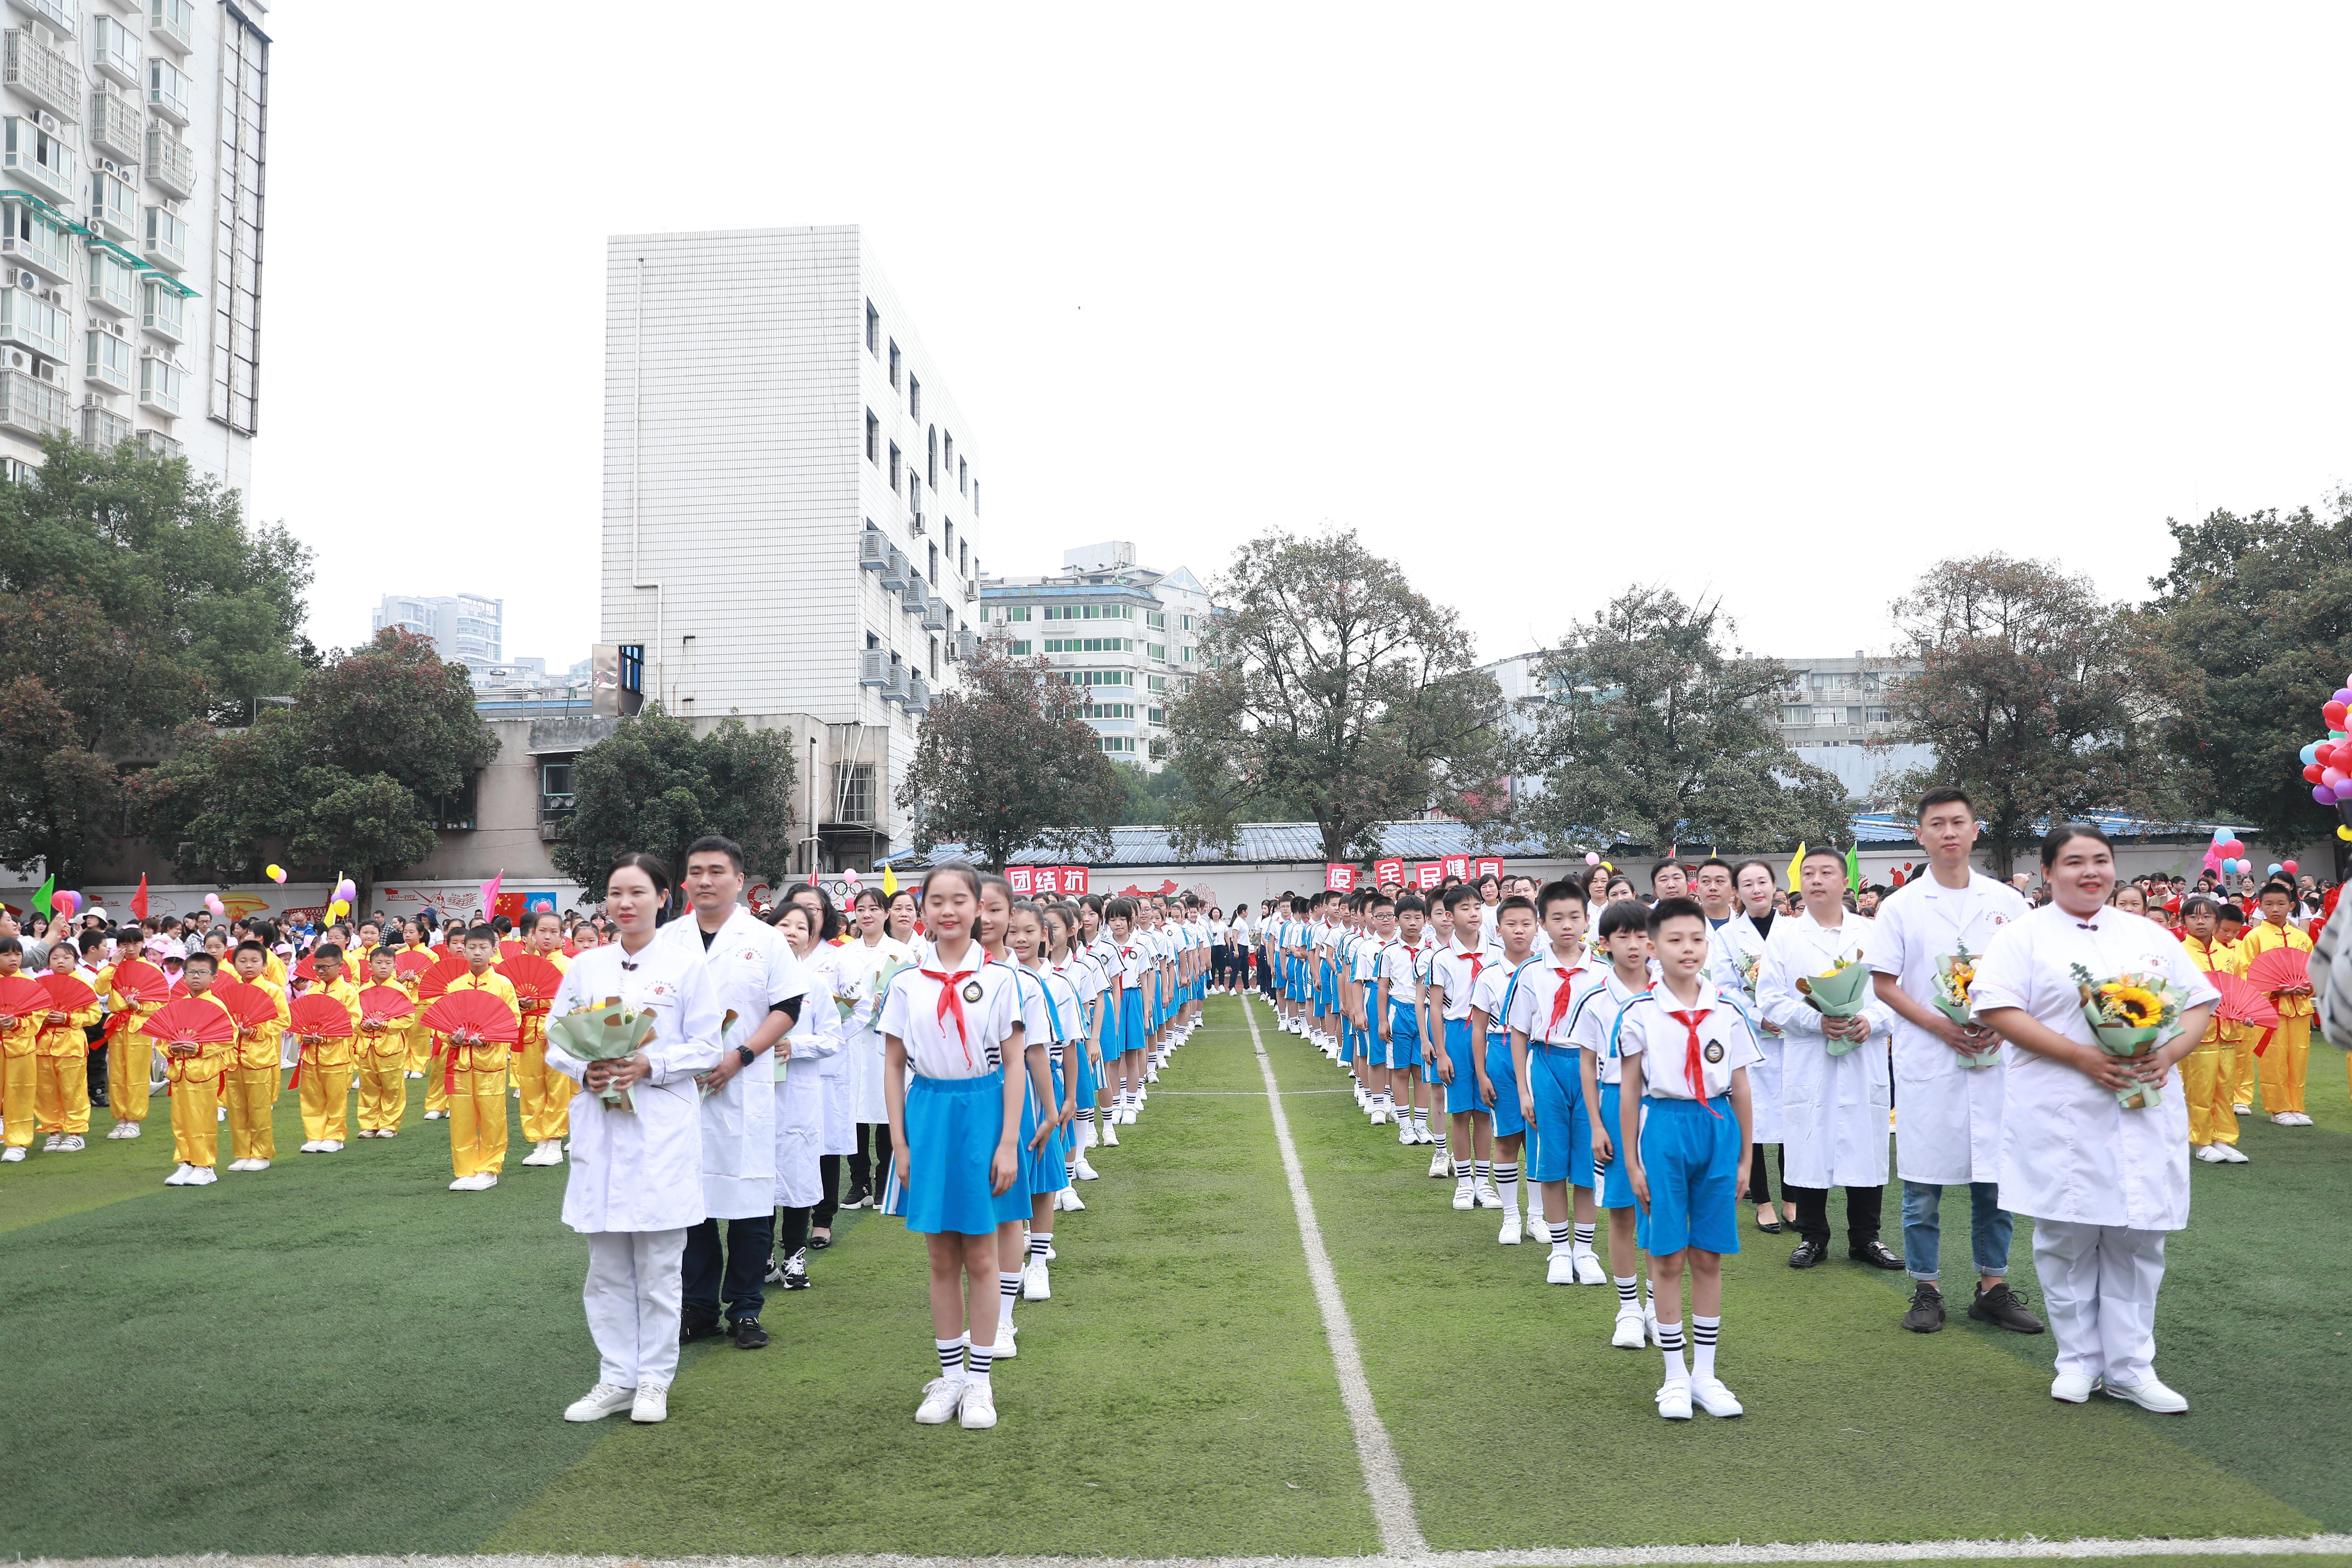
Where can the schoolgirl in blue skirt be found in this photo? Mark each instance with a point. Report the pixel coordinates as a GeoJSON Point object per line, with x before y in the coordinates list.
{"type": "Point", "coordinates": [948, 1027]}
{"type": "Point", "coordinates": [1052, 1017]}
{"type": "Point", "coordinates": [1076, 967]}
{"type": "Point", "coordinates": [1013, 1205]}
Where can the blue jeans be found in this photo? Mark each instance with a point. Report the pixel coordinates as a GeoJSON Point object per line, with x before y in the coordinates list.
{"type": "Point", "coordinates": [1989, 1226]}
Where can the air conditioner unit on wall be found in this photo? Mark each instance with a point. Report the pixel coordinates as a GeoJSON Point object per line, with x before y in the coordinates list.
{"type": "Point", "coordinates": [50, 123]}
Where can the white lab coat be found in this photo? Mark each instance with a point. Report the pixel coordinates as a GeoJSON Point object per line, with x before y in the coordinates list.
{"type": "Point", "coordinates": [1728, 951]}
{"type": "Point", "coordinates": [862, 968]}
{"type": "Point", "coordinates": [641, 1168]}
{"type": "Point", "coordinates": [1950, 1130]}
{"type": "Point", "coordinates": [2068, 1151]}
{"type": "Point", "coordinates": [838, 1126]}
{"type": "Point", "coordinates": [814, 1041]}
{"type": "Point", "coordinates": [1835, 1110]}
{"type": "Point", "coordinates": [750, 968]}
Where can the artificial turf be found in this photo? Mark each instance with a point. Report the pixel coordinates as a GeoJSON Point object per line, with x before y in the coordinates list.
{"type": "Point", "coordinates": [339, 1356]}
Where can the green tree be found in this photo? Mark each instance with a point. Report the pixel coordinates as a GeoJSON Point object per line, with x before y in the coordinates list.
{"type": "Point", "coordinates": [59, 801]}
{"type": "Point", "coordinates": [1332, 687]}
{"type": "Point", "coordinates": [2253, 628]}
{"type": "Point", "coordinates": [1004, 763]}
{"type": "Point", "coordinates": [654, 785]}
{"type": "Point", "coordinates": [1658, 730]}
{"type": "Point", "coordinates": [2033, 695]}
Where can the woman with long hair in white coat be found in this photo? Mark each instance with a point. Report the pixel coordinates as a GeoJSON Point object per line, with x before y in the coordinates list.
{"type": "Point", "coordinates": [866, 962]}
{"type": "Point", "coordinates": [814, 1038]}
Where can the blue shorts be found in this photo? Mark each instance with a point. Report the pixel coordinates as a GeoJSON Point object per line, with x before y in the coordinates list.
{"type": "Point", "coordinates": [1560, 1146]}
{"type": "Point", "coordinates": [1614, 1189]}
{"type": "Point", "coordinates": [1505, 1077]}
{"type": "Point", "coordinates": [1462, 1094]}
{"type": "Point", "coordinates": [955, 1125]}
{"type": "Point", "coordinates": [1404, 1035]}
{"type": "Point", "coordinates": [1347, 1039]}
{"type": "Point", "coordinates": [1690, 1152]}
{"type": "Point", "coordinates": [1130, 1021]}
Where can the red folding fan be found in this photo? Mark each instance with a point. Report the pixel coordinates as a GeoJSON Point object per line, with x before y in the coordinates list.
{"type": "Point", "coordinates": [22, 997]}
{"type": "Point", "coordinates": [510, 949]}
{"type": "Point", "coordinates": [533, 978]}
{"type": "Point", "coordinates": [475, 1013]}
{"type": "Point", "coordinates": [386, 1003]}
{"type": "Point", "coordinates": [307, 968]}
{"type": "Point", "coordinates": [321, 1015]}
{"type": "Point", "coordinates": [414, 961]}
{"type": "Point", "coordinates": [2280, 969]}
{"type": "Point", "coordinates": [189, 1023]}
{"type": "Point", "coordinates": [67, 991]}
{"type": "Point", "coordinates": [249, 1003]}
{"type": "Point", "coordinates": [2242, 1001]}
{"type": "Point", "coordinates": [137, 979]}
{"type": "Point", "coordinates": [437, 980]}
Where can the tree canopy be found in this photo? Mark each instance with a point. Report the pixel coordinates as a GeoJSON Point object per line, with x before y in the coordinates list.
{"type": "Point", "coordinates": [1332, 687]}
{"type": "Point", "coordinates": [1658, 730]}
{"type": "Point", "coordinates": [1006, 762]}
{"type": "Point", "coordinates": [654, 785]}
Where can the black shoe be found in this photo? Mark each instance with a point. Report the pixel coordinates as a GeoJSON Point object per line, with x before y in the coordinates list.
{"type": "Point", "coordinates": [692, 1329]}
{"type": "Point", "coordinates": [858, 1198]}
{"type": "Point", "coordinates": [818, 1242]}
{"type": "Point", "coordinates": [1873, 1252]}
{"type": "Point", "coordinates": [1927, 1313]}
{"type": "Point", "coordinates": [1809, 1254]}
{"type": "Point", "coordinates": [797, 1271]}
{"type": "Point", "coordinates": [2000, 1307]}
{"type": "Point", "coordinates": [1769, 1227]}
{"type": "Point", "coordinates": [775, 1275]}
{"type": "Point", "coordinates": [750, 1336]}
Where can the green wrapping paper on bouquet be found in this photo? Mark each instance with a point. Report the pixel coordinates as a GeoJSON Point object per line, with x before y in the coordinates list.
{"type": "Point", "coordinates": [1841, 992]}
{"type": "Point", "coordinates": [602, 1033]}
{"type": "Point", "coordinates": [1955, 972]}
{"type": "Point", "coordinates": [2130, 1016]}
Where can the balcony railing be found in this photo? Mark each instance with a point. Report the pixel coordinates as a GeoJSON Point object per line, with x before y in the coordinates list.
{"type": "Point", "coordinates": [155, 443]}
{"type": "Point", "coordinates": [117, 125]}
{"type": "Point", "coordinates": [45, 75]}
{"type": "Point", "coordinates": [112, 283]}
{"type": "Point", "coordinates": [169, 164]}
{"type": "Point", "coordinates": [31, 405]}
{"type": "Point", "coordinates": [39, 159]}
{"type": "Point", "coordinates": [33, 322]}
{"type": "Point", "coordinates": [102, 429]}
{"type": "Point", "coordinates": [29, 236]}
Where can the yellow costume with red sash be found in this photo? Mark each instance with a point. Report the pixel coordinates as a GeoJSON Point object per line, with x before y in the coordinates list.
{"type": "Point", "coordinates": [322, 1075]}
{"type": "Point", "coordinates": [61, 1072]}
{"type": "Point", "coordinates": [2209, 1075]}
{"type": "Point", "coordinates": [546, 1094]}
{"type": "Point", "coordinates": [127, 1050]}
{"type": "Point", "coordinates": [252, 1083]}
{"type": "Point", "coordinates": [18, 1074]}
{"type": "Point", "coordinates": [474, 1079]}
{"type": "Point", "coordinates": [2287, 1059]}
{"type": "Point", "coordinates": [383, 1062]}
{"type": "Point", "coordinates": [195, 1076]}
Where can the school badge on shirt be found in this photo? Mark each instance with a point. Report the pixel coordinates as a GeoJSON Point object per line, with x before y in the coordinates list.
{"type": "Point", "coordinates": [1714, 1052]}
{"type": "Point", "coordinates": [971, 992]}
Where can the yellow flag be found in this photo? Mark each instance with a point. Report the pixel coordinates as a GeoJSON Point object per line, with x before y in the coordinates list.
{"type": "Point", "coordinates": [1795, 861]}
{"type": "Point", "coordinates": [890, 880]}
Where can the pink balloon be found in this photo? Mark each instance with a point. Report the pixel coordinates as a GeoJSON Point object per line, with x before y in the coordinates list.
{"type": "Point", "coordinates": [1591, 859]}
{"type": "Point", "coordinates": [2331, 776]}
{"type": "Point", "coordinates": [2290, 868]}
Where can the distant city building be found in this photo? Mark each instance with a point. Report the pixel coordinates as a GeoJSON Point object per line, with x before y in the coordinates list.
{"type": "Point", "coordinates": [1129, 634]}
{"type": "Point", "coordinates": [466, 628]}
{"type": "Point", "coordinates": [516, 673]}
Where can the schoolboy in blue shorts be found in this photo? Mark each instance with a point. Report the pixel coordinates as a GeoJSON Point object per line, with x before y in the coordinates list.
{"type": "Point", "coordinates": [1490, 1053]}
{"type": "Point", "coordinates": [1625, 931]}
{"type": "Point", "coordinates": [1551, 1084]}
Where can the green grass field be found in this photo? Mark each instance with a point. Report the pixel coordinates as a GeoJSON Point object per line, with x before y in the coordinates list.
{"type": "Point", "coordinates": [339, 1356]}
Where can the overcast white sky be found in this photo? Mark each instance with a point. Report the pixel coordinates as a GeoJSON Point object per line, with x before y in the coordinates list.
{"type": "Point", "coordinates": [1774, 303]}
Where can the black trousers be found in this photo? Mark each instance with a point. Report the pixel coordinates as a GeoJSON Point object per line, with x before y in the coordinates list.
{"type": "Point", "coordinates": [792, 1231]}
{"type": "Point", "coordinates": [739, 1278]}
{"type": "Point", "coordinates": [866, 1171]}
{"type": "Point", "coordinates": [96, 1065]}
{"type": "Point", "coordinates": [1760, 1183]}
{"type": "Point", "coordinates": [1861, 1210]}
{"type": "Point", "coordinates": [828, 1178]}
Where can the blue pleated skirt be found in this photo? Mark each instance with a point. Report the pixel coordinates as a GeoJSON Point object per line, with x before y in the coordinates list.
{"type": "Point", "coordinates": [955, 1125]}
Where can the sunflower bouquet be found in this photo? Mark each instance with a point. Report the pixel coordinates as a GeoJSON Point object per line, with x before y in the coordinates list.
{"type": "Point", "coordinates": [1955, 972]}
{"type": "Point", "coordinates": [1841, 991]}
{"type": "Point", "coordinates": [2130, 1016]}
{"type": "Point", "coordinates": [602, 1034]}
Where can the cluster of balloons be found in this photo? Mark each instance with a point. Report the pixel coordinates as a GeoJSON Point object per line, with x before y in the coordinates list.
{"type": "Point", "coordinates": [275, 873]}
{"type": "Point", "coordinates": [2227, 854]}
{"type": "Point", "coordinates": [341, 904]}
{"type": "Point", "coordinates": [63, 905]}
{"type": "Point", "coordinates": [2327, 764]}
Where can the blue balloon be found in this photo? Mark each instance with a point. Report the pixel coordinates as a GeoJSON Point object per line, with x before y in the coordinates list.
{"type": "Point", "coordinates": [2222, 835]}
{"type": "Point", "coordinates": [2275, 869]}
{"type": "Point", "coordinates": [2310, 753]}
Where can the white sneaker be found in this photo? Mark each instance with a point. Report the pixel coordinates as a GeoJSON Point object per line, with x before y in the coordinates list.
{"type": "Point", "coordinates": [311, 1147]}
{"type": "Point", "coordinates": [180, 1175]}
{"type": "Point", "coordinates": [2150, 1396]}
{"type": "Point", "coordinates": [11, 1154]}
{"type": "Point", "coordinates": [1674, 1399]}
{"type": "Point", "coordinates": [1513, 1233]}
{"type": "Point", "coordinates": [1589, 1271]}
{"type": "Point", "coordinates": [1465, 1195]}
{"type": "Point", "coordinates": [976, 1411]}
{"type": "Point", "coordinates": [256, 1164]}
{"type": "Point", "coordinates": [1716, 1399]}
{"type": "Point", "coordinates": [1380, 1117]}
{"type": "Point", "coordinates": [598, 1402]}
{"type": "Point", "coordinates": [1439, 1165]}
{"type": "Point", "coordinates": [1404, 1132]}
{"type": "Point", "coordinates": [2072, 1387]}
{"type": "Point", "coordinates": [1627, 1335]}
{"type": "Point", "coordinates": [2300, 1119]}
{"type": "Point", "coordinates": [1488, 1198]}
{"type": "Point", "coordinates": [2233, 1155]}
{"type": "Point", "coordinates": [421, 1074]}
{"type": "Point", "coordinates": [2212, 1154]}
{"type": "Point", "coordinates": [2242, 1110]}
{"type": "Point", "coordinates": [1152, 1075]}
{"type": "Point", "coordinates": [1007, 1346]}
{"type": "Point", "coordinates": [331, 1146]}
{"type": "Point", "coordinates": [71, 1143]}
{"type": "Point", "coordinates": [485, 1182]}
{"type": "Point", "coordinates": [2284, 1118]}
{"type": "Point", "coordinates": [202, 1176]}
{"type": "Point", "coordinates": [1561, 1270]}
{"type": "Point", "coordinates": [1035, 1284]}
{"type": "Point", "coordinates": [435, 1115]}
{"type": "Point", "coordinates": [49, 1146]}
{"type": "Point", "coordinates": [1109, 1136]}
{"type": "Point", "coordinates": [238, 1165]}
{"type": "Point", "coordinates": [941, 1398]}
{"type": "Point", "coordinates": [651, 1405]}
{"type": "Point", "coordinates": [1087, 1172]}
{"type": "Point", "coordinates": [133, 1129]}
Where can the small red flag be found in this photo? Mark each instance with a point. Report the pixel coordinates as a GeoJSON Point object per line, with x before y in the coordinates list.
{"type": "Point", "coordinates": [139, 898]}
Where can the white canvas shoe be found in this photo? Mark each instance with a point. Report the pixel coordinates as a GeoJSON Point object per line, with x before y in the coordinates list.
{"type": "Point", "coordinates": [180, 1175]}
{"type": "Point", "coordinates": [49, 1145]}
{"type": "Point", "coordinates": [651, 1405]}
{"type": "Point", "coordinates": [1008, 1346]}
{"type": "Point", "coordinates": [467, 1185]}
{"type": "Point", "coordinates": [1087, 1173]}
{"type": "Point", "coordinates": [331, 1146]}
{"type": "Point", "coordinates": [12, 1153]}
{"type": "Point", "coordinates": [1711, 1396]}
{"type": "Point", "coordinates": [1627, 1334]}
{"type": "Point", "coordinates": [1439, 1165]}
{"type": "Point", "coordinates": [421, 1074]}
{"type": "Point", "coordinates": [486, 1181]}
{"type": "Point", "coordinates": [1589, 1271]}
{"type": "Point", "coordinates": [205, 1177]}
{"type": "Point", "coordinates": [2210, 1154]}
{"type": "Point", "coordinates": [2072, 1387]}
{"type": "Point", "coordinates": [133, 1129]}
{"type": "Point", "coordinates": [2150, 1396]}
{"type": "Point", "coordinates": [1650, 1322]}
{"type": "Point", "coordinates": [256, 1164]}
{"type": "Point", "coordinates": [1560, 1269]}
{"type": "Point", "coordinates": [1465, 1195]}
{"type": "Point", "coordinates": [71, 1143]}
{"type": "Point", "coordinates": [1404, 1133]}
{"type": "Point", "coordinates": [1674, 1398]}
{"type": "Point", "coordinates": [1512, 1234]}
{"type": "Point", "coordinates": [1037, 1284]}
{"type": "Point", "coordinates": [310, 1147]}
{"type": "Point", "coordinates": [2233, 1155]}
{"type": "Point", "coordinates": [1110, 1132]}
{"type": "Point", "coordinates": [1488, 1198]}
{"type": "Point", "coordinates": [940, 1396]}
{"type": "Point", "coordinates": [238, 1165]}
{"type": "Point", "coordinates": [976, 1412]}
{"type": "Point", "coordinates": [435, 1115]}
{"type": "Point", "coordinates": [600, 1400]}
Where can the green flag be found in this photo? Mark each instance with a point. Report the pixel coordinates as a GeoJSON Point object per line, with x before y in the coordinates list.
{"type": "Point", "coordinates": [41, 895]}
{"type": "Point", "coordinates": [1853, 866]}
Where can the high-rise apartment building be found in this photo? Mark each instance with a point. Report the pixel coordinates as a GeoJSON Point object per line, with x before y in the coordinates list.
{"type": "Point", "coordinates": [466, 628]}
{"type": "Point", "coordinates": [1129, 634]}
{"type": "Point", "coordinates": [131, 166]}
{"type": "Point", "coordinates": [792, 503]}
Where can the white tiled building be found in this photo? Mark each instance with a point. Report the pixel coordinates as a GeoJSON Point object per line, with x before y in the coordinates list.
{"type": "Point", "coordinates": [131, 169]}
{"type": "Point", "coordinates": [466, 628]}
{"type": "Point", "coordinates": [792, 504]}
{"type": "Point", "coordinates": [1129, 634]}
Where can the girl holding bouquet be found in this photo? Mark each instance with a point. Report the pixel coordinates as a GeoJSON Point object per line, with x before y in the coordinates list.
{"type": "Point", "coordinates": [635, 1186]}
{"type": "Point", "coordinates": [2103, 1172]}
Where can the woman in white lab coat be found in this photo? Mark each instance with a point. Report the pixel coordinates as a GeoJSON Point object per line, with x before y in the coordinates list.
{"type": "Point", "coordinates": [1736, 960]}
{"type": "Point", "coordinates": [634, 1184]}
{"type": "Point", "coordinates": [865, 963]}
{"type": "Point", "coordinates": [800, 1055]}
{"type": "Point", "coordinates": [2104, 1182]}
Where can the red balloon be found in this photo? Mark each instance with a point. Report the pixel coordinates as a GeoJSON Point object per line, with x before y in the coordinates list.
{"type": "Point", "coordinates": [2289, 868]}
{"type": "Point", "coordinates": [2311, 774]}
{"type": "Point", "coordinates": [2235, 849]}
{"type": "Point", "coordinates": [2334, 714]}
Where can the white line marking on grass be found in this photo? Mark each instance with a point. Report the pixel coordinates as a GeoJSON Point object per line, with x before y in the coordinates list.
{"type": "Point", "coordinates": [1383, 1476]}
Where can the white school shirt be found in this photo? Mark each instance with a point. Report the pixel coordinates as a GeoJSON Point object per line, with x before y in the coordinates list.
{"type": "Point", "coordinates": [1364, 969]}
{"type": "Point", "coordinates": [1730, 950]}
{"type": "Point", "coordinates": [1532, 1004]}
{"type": "Point", "coordinates": [1457, 970]}
{"type": "Point", "coordinates": [1835, 1110]}
{"type": "Point", "coordinates": [1492, 993]}
{"type": "Point", "coordinates": [1592, 1020]}
{"type": "Point", "coordinates": [750, 968]}
{"type": "Point", "coordinates": [1649, 1030]}
{"type": "Point", "coordinates": [641, 1170]}
{"type": "Point", "coordinates": [936, 1046]}
{"type": "Point", "coordinates": [2068, 1151]}
{"type": "Point", "coordinates": [1950, 1129]}
{"type": "Point", "coordinates": [1128, 961]}
{"type": "Point", "coordinates": [1400, 962]}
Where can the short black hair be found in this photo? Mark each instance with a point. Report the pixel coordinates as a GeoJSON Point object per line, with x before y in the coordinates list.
{"type": "Point", "coordinates": [206, 959]}
{"type": "Point", "coordinates": [1624, 914]}
{"type": "Point", "coordinates": [1121, 909]}
{"type": "Point", "coordinates": [1567, 891]}
{"type": "Point", "coordinates": [326, 950]}
{"type": "Point", "coordinates": [2230, 911]}
{"type": "Point", "coordinates": [1673, 910]}
{"type": "Point", "coordinates": [2276, 885]}
{"type": "Point", "coordinates": [1516, 902]}
{"type": "Point", "coordinates": [712, 844]}
{"type": "Point", "coordinates": [1944, 795]}
{"type": "Point", "coordinates": [1411, 904]}
{"type": "Point", "coordinates": [1712, 861]}
{"type": "Point", "coordinates": [1662, 867]}
{"type": "Point", "coordinates": [482, 933]}
{"type": "Point", "coordinates": [1463, 894]}
{"type": "Point", "coordinates": [1381, 902]}
{"type": "Point", "coordinates": [2200, 905]}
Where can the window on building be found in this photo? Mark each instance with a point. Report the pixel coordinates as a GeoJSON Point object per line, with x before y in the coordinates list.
{"type": "Point", "coordinates": [1184, 655]}
{"type": "Point", "coordinates": [872, 438]}
{"type": "Point", "coordinates": [894, 362]}
{"type": "Point", "coordinates": [1159, 683]}
{"type": "Point", "coordinates": [975, 497]}
{"type": "Point", "coordinates": [1184, 623]}
{"type": "Point", "coordinates": [935, 659]}
{"type": "Point", "coordinates": [1120, 746]}
{"type": "Point", "coordinates": [947, 534]}
{"type": "Point", "coordinates": [963, 559]}
{"type": "Point", "coordinates": [1157, 715]}
{"type": "Point", "coordinates": [872, 329]}
{"type": "Point", "coordinates": [243, 111]}
{"type": "Point", "coordinates": [555, 781]}
{"type": "Point", "coordinates": [963, 475]}
{"type": "Point", "coordinates": [1156, 620]}
{"type": "Point", "coordinates": [1853, 715]}
{"type": "Point", "coordinates": [947, 449]}
{"type": "Point", "coordinates": [1013, 612]}
{"type": "Point", "coordinates": [1159, 652]}
{"type": "Point", "coordinates": [1880, 716]}
{"type": "Point", "coordinates": [914, 396]}
{"type": "Point", "coordinates": [934, 573]}
{"type": "Point", "coordinates": [1021, 648]}
{"type": "Point", "coordinates": [894, 467]}
{"type": "Point", "coordinates": [873, 641]}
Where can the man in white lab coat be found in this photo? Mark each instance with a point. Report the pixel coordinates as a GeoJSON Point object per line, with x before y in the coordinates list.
{"type": "Point", "coordinates": [759, 983]}
{"type": "Point", "coordinates": [1835, 1094]}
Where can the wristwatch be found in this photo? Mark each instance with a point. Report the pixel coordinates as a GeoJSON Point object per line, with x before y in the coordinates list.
{"type": "Point", "coordinates": [748, 1054]}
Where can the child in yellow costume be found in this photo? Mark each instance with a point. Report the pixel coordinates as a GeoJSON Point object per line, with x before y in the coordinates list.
{"type": "Point", "coordinates": [474, 1076]}
{"type": "Point", "coordinates": [546, 1093]}
{"type": "Point", "coordinates": [128, 1051]}
{"type": "Point", "coordinates": [195, 1073]}
{"type": "Point", "coordinates": [2288, 1057]}
{"type": "Point", "coordinates": [253, 1079]}
{"type": "Point", "coordinates": [323, 1075]}
{"type": "Point", "coordinates": [2209, 1075]}
{"type": "Point", "coordinates": [61, 1062]}
{"type": "Point", "coordinates": [18, 1070]}
{"type": "Point", "coordinates": [382, 1047]}
{"type": "Point", "coordinates": [420, 1044]}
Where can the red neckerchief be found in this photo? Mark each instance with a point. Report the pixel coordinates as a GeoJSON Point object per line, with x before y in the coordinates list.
{"type": "Point", "coordinates": [951, 1005]}
{"type": "Point", "coordinates": [1560, 1001]}
{"type": "Point", "coordinates": [1693, 1069]}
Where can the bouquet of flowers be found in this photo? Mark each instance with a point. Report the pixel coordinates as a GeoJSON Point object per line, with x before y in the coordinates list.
{"type": "Point", "coordinates": [1747, 966]}
{"type": "Point", "coordinates": [2130, 1016]}
{"type": "Point", "coordinates": [1841, 991]}
{"type": "Point", "coordinates": [1955, 972]}
{"type": "Point", "coordinates": [606, 1033]}
{"type": "Point", "coordinates": [726, 1028]}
